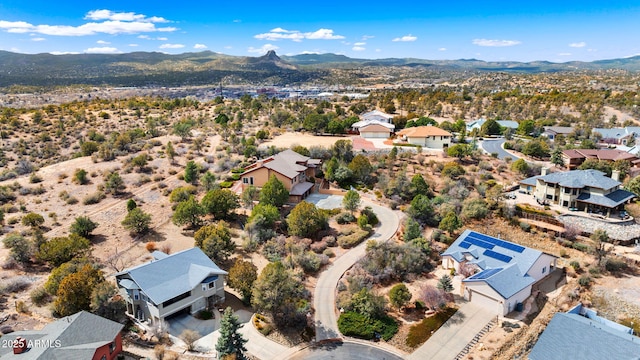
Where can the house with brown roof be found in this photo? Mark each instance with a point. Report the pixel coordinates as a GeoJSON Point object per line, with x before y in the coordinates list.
{"type": "Point", "coordinates": [427, 136]}
{"type": "Point", "coordinates": [82, 335]}
{"type": "Point", "coordinates": [291, 168]}
{"type": "Point", "coordinates": [575, 157]}
{"type": "Point", "coordinates": [375, 130]}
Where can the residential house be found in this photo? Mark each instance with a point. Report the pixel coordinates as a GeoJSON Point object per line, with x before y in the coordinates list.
{"type": "Point", "coordinates": [504, 271]}
{"type": "Point", "coordinates": [375, 130]}
{"type": "Point", "coordinates": [291, 168]}
{"type": "Point", "coordinates": [619, 136]}
{"type": "Point", "coordinates": [477, 124]}
{"type": "Point", "coordinates": [552, 131]}
{"type": "Point", "coordinates": [374, 124]}
{"type": "Point", "coordinates": [581, 334]}
{"type": "Point", "coordinates": [427, 136]}
{"type": "Point", "coordinates": [80, 336]}
{"type": "Point", "coordinates": [575, 157]}
{"type": "Point", "coordinates": [184, 282]}
{"type": "Point", "coordinates": [584, 190]}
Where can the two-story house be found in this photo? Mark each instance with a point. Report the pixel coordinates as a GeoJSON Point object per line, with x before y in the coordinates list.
{"type": "Point", "coordinates": [291, 168]}
{"type": "Point", "coordinates": [427, 136]}
{"type": "Point", "coordinates": [575, 157]}
{"type": "Point", "coordinates": [585, 190]}
{"type": "Point", "coordinates": [184, 282]}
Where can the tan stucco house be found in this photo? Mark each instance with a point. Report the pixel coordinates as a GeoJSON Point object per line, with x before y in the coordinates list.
{"type": "Point", "coordinates": [184, 282]}
{"type": "Point", "coordinates": [427, 136]}
{"type": "Point", "coordinates": [291, 168]}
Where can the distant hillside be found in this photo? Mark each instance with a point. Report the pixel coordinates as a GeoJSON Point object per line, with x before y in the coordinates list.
{"type": "Point", "coordinates": [202, 68]}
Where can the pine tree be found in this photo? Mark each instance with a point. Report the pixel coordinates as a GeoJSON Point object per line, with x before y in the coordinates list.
{"type": "Point", "coordinates": [445, 284]}
{"type": "Point", "coordinates": [230, 341]}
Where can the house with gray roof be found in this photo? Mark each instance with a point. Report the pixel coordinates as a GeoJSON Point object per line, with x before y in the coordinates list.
{"type": "Point", "coordinates": [374, 124]}
{"type": "Point", "coordinates": [504, 272]}
{"type": "Point", "coordinates": [581, 334]}
{"type": "Point", "coordinates": [550, 132]}
{"type": "Point", "coordinates": [477, 124]}
{"type": "Point", "coordinates": [619, 136]}
{"type": "Point", "coordinates": [291, 168]}
{"type": "Point", "coordinates": [184, 282]}
{"type": "Point", "coordinates": [79, 336]}
{"type": "Point", "coordinates": [583, 190]}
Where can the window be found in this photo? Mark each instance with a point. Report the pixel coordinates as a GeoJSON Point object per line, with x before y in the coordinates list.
{"type": "Point", "coordinates": [104, 357]}
{"type": "Point", "coordinates": [567, 190]}
{"type": "Point", "coordinates": [112, 347]}
{"type": "Point", "coordinates": [212, 285]}
{"type": "Point", "coordinates": [136, 295]}
{"type": "Point", "coordinates": [544, 269]}
{"type": "Point", "coordinates": [245, 180]}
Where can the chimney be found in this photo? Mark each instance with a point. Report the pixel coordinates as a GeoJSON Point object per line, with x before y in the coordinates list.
{"type": "Point", "coordinates": [19, 345]}
{"type": "Point", "coordinates": [543, 171]}
{"type": "Point", "coordinates": [615, 175]}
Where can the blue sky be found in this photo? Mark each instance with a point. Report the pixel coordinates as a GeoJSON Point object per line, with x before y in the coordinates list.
{"type": "Point", "coordinates": [556, 31]}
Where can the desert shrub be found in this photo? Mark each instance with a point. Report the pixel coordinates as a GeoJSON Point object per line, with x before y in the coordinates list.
{"type": "Point", "coordinates": [580, 246]}
{"type": "Point", "coordinates": [354, 238]}
{"type": "Point", "coordinates": [39, 296]}
{"type": "Point", "coordinates": [345, 218]}
{"type": "Point", "coordinates": [15, 285]}
{"type": "Point", "coordinates": [360, 326]}
{"type": "Point", "coordinates": [204, 315]}
{"type": "Point", "coordinates": [371, 216]}
{"type": "Point", "coordinates": [615, 265]}
{"type": "Point", "coordinates": [94, 198]}
{"type": "Point", "coordinates": [226, 184]}
{"type": "Point", "coordinates": [575, 265]}
{"type": "Point", "coordinates": [525, 226]}
{"type": "Point", "coordinates": [584, 280]}
{"type": "Point", "coordinates": [422, 331]}
{"type": "Point", "coordinates": [318, 247]}
{"type": "Point", "coordinates": [151, 246]}
{"type": "Point", "coordinates": [330, 240]}
{"type": "Point", "coordinates": [309, 261]}
{"type": "Point", "coordinates": [274, 248]}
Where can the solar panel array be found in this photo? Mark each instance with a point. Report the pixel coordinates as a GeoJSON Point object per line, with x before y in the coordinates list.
{"type": "Point", "coordinates": [465, 245]}
{"type": "Point", "coordinates": [494, 241]}
{"type": "Point", "coordinates": [478, 242]}
{"type": "Point", "coordinates": [497, 256]}
{"type": "Point", "coordinates": [485, 274]}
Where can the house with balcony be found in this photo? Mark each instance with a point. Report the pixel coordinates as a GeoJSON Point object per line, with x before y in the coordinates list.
{"type": "Point", "coordinates": [618, 136]}
{"type": "Point", "coordinates": [575, 157]}
{"type": "Point", "coordinates": [582, 190]}
{"type": "Point", "coordinates": [184, 282]}
{"type": "Point", "coordinates": [291, 168]}
{"type": "Point", "coordinates": [82, 335]}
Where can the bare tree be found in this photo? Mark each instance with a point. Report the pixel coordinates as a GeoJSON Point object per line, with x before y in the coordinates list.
{"type": "Point", "coordinates": [433, 297]}
{"type": "Point", "coordinates": [189, 337]}
{"type": "Point", "coordinates": [118, 261]}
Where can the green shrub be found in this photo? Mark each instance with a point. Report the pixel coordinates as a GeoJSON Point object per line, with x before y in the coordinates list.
{"type": "Point", "coordinates": [363, 327]}
{"type": "Point", "coordinates": [204, 315]}
{"type": "Point", "coordinates": [580, 246]}
{"type": "Point", "coordinates": [40, 296]}
{"type": "Point", "coordinates": [615, 265]}
{"type": "Point", "coordinates": [422, 331]}
{"type": "Point", "coordinates": [525, 226]}
{"type": "Point", "coordinates": [345, 218]}
{"type": "Point", "coordinates": [575, 265]}
{"type": "Point", "coordinates": [353, 239]}
{"type": "Point", "coordinates": [226, 184]}
{"type": "Point", "coordinates": [94, 198]}
{"type": "Point", "coordinates": [235, 177]}
{"type": "Point", "coordinates": [584, 280]}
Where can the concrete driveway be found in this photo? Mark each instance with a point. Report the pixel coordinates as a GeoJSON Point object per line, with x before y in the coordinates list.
{"type": "Point", "coordinates": [324, 201]}
{"type": "Point", "coordinates": [495, 146]}
{"type": "Point", "coordinates": [455, 334]}
{"type": "Point", "coordinates": [179, 323]}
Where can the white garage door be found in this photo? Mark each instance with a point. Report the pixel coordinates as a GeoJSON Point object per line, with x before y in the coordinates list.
{"type": "Point", "coordinates": [374, 135]}
{"type": "Point", "coordinates": [486, 302]}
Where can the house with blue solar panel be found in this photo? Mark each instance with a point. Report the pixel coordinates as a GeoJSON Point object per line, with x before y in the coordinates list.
{"type": "Point", "coordinates": [504, 272]}
{"type": "Point", "coordinates": [184, 282]}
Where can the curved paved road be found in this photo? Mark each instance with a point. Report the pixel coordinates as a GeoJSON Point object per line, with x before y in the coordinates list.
{"type": "Point", "coordinates": [344, 350]}
{"type": "Point", "coordinates": [495, 146]}
{"type": "Point", "coordinates": [324, 296]}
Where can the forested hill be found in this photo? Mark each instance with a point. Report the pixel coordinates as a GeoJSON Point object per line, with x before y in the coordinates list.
{"type": "Point", "coordinates": [205, 68]}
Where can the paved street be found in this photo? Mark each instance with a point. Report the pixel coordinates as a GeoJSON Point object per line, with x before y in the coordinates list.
{"type": "Point", "coordinates": [344, 350]}
{"type": "Point", "coordinates": [495, 146]}
{"type": "Point", "coordinates": [324, 297]}
{"type": "Point", "coordinates": [454, 335]}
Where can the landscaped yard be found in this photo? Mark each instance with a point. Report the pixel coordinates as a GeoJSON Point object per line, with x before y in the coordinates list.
{"type": "Point", "coordinates": [422, 331]}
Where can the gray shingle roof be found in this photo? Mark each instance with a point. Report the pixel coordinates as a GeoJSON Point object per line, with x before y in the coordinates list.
{"type": "Point", "coordinates": [571, 336]}
{"type": "Point", "coordinates": [578, 179]}
{"type": "Point", "coordinates": [513, 276]}
{"type": "Point", "coordinates": [286, 163]}
{"type": "Point", "coordinates": [79, 335]}
{"type": "Point", "coordinates": [610, 200]}
{"type": "Point", "coordinates": [173, 275]}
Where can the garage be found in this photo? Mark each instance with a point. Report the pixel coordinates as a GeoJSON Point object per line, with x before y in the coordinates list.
{"type": "Point", "coordinates": [375, 131]}
{"type": "Point", "coordinates": [485, 301]}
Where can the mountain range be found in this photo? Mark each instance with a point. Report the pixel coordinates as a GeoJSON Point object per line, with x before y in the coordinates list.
{"type": "Point", "coordinates": [202, 68]}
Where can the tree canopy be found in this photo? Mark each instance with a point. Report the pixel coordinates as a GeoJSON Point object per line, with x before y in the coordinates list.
{"type": "Point", "coordinates": [274, 193]}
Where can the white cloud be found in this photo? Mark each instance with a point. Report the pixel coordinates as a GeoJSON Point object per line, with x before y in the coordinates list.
{"type": "Point", "coordinates": [102, 50]}
{"type": "Point", "coordinates": [297, 36]}
{"type": "Point", "coordinates": [263, 49]}
{"type": "Point", "coordinates": [378, 50]}
{"type": "Point", "coordinates": [578, 44]}
{"type": "Point", "coordinates": [306, 52]}
{"type": "Point", "coordinates": [360, 44]}
{"type": "Point", "coordinates": [133, 45]}
{"type": "Point", "coordinates": [104, 22]}
{"type": "Point", "coordinates": [38, 39]}
{"type": "Point", "coordinates": [237, 20]}
{"type": "Point", "coordinates": [564, 54]}
{"type": "Point", "coordinates": [162, 39]}
{"type": "Point", "coordinates": [495, 43]}
{"type": "Point", "coordinates": [367, 37]}
{"type": "Point", "coordinates": [358, 48]}
{"type": "Point", "coordinates": [63, 53]}
{"type": "Point", "coordinates": [442, 49]}
{"type": "Point", "coordinates": [102, 42]}
{"type": "Point", "coordinates": [146, 37]}
{"type": "Point", "coordinates": [123, 16]}
{"type": "Point", "coordinates": [406, 38]}
{"type": "Point", "coordinates": [199, 46]}
{"type": "Point", "coordinates": [171, 46]}
{"type": "Point", "coordinates": [228, 47]}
